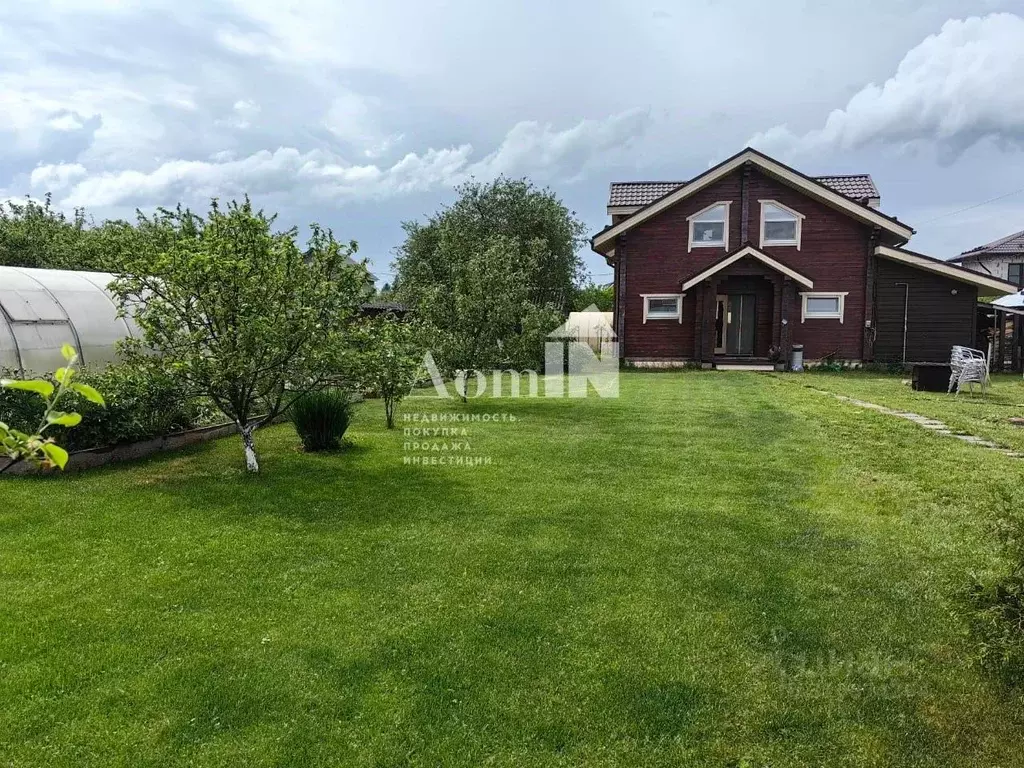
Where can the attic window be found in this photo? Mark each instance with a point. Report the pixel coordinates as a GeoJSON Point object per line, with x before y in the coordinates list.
{"type": "Point", "coordinates": [709, 228]}
{"type": "Point", "coordinates": [780, 225]}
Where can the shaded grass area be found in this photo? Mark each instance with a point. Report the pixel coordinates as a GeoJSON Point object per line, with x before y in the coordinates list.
{"type": "Point", "coordinates": [714, 568]}
{"type": "Point", "coordinates": [983, 415]}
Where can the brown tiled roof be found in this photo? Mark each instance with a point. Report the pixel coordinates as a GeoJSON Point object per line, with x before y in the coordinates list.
{"type": "Point", "coordinates": [857, 187]}
{"type": "Point", "coordinates": [631, 193]}
{"type": "Point", "coordinates": [1010, 244]}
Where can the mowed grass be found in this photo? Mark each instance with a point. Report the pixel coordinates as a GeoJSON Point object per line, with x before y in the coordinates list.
{"type": "Point", "coordinates": [714, 569]}
{"type": "Point", "coordinates": [984, 414]}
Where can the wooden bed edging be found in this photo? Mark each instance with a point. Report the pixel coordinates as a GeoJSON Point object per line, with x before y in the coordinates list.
{"type": "Point", "coordinates": [90, 458]}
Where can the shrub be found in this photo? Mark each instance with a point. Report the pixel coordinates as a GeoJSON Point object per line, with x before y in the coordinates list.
{"type": "Point", "coordinates": [321, 418]}
{"type": "Point", "coordinates": [142, 402]}
{"type": "Point", "coordinates": [33, 446]}
{"type": "Point", "coordinates": [997, 624]}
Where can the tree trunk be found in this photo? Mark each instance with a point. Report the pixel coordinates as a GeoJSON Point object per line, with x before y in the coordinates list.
{"type": "Point", "coordinates": [251, 461]}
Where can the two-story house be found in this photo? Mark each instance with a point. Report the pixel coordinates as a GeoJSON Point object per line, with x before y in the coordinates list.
{"type": "Point", "coordinates": [752, 254]}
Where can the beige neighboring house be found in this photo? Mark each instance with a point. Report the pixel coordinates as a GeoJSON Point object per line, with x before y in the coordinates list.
{"type": "Point", "coordinates": [1003, 259]}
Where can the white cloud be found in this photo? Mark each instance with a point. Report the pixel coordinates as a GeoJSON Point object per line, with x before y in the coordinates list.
{"type": "Point", "coordinates": [54, 177]}
{"type": "Point", "coordinates": [530, 145]}
{"type": "Point", "coordinates": [352, 118]}
{"type": "Point", "coordinates": [67, 122]}
{"type": "Point", "coordinates": [243, 112]}
{"type": "Point", "coordinates": [528, 149]}
{"type": "Point", "coordinates": [954, 89]}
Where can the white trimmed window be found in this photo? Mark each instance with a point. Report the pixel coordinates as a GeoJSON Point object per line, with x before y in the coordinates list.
{"type": "Point", "coordinates": [817, 305]}
{"type": "Point", "coordinates": [709, 228]}
{"type": "Point", "coordinates": [780, 225]}
{"type": "Point", "coordinates": [663, 306]}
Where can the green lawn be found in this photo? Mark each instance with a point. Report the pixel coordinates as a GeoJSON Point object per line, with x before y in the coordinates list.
{"type": "Point", "coordinates": [714, 569]}
{"type": "Point", "coordinates": [986, 415]}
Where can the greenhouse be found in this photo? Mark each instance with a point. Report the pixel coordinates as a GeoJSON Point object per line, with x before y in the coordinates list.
{"type": "Point", "coordinates": [42, 309]}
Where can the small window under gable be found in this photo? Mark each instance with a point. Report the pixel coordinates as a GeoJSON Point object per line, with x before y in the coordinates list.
{"type": "Point", "coordinates": [780, 225]}
{"type": "Point", "coordinates": [709, 228]}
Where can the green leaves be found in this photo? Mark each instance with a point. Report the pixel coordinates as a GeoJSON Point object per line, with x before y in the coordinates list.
{"type": "Point", "coordinates": [64, 419]}
{"type": "Point", "coordinates": [33, 447]}
{"type": "Point", "coordinates": [39, 386]}
{"type": "Point", "coordinates": [56, 455]}
{"type": "Point", "coordinates": [88, 393]}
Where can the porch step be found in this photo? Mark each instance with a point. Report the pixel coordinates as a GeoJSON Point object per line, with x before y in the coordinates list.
{"type": "Point", "coordinates": [744, 367]}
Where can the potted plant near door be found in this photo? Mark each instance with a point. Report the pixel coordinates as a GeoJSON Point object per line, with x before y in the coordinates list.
{"type": "Point", "coordinates": [776, 357]}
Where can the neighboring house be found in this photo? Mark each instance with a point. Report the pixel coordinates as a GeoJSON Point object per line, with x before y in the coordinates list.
{"type": "Point", "coordinates": [377, 308]}
{"type": "Point", "coordinates": [1003, 258]}
{"type": "Point", "coordinates": [752, 254]}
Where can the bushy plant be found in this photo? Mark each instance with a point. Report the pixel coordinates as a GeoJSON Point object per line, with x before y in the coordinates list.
{"type": "Point", "coordinates": [321, 418]}
{"type": "Point", "coordinates": [997, 624]}
{"type": "Point", "coordinates": [34, 446]}
{"type": "Point", "coordinates": [143, 401]}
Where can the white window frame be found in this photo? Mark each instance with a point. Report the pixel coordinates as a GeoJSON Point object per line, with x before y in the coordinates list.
{"type": "Point", "coordinates": [799, 224]}
{"type": "Point", "coordinates": [724, 244]}
{"type": "Point", "coordinates": [841, 295]}
{"type": "Point", "coordinates": [679, 306]}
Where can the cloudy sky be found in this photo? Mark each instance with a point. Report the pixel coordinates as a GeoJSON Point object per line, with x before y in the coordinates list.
{"type": "Point", "coordinates": [361, 114]}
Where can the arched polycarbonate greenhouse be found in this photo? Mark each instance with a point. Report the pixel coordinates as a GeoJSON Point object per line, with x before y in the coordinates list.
{"type": "Point", "coordinates": [42, 309]}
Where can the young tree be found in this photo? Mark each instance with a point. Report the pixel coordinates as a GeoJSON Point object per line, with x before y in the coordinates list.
{"type": "Point", "coordinates": [244, 315]}
{"type": "Point", "coordinates": [392, 360]}
{"type": "Point", "coordinates": [35, 447]}
{"type": "Point", "coordinates": [481, 270]}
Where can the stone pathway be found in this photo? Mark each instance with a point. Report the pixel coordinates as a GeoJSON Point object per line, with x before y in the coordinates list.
{"type": "Point", "coordinates": [934, 425]}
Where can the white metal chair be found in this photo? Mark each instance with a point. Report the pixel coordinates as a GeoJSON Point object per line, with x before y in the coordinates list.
{"type": "Point", "coordinates": [970, 367]}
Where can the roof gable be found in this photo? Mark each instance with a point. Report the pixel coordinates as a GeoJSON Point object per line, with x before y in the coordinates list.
{"type": "Point", "coordinates": [604, 241]}
{"type": "Point", "coordinates": [744, 252]}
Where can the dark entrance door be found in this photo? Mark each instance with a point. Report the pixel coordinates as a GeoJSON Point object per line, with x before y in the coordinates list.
{"type": "Point", "coordinates": [741, 320]}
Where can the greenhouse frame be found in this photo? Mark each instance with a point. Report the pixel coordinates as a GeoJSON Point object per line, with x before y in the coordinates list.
{"type": "Point", "coordinates": [42, 309]}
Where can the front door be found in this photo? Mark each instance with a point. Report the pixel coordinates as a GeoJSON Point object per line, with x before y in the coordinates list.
{"type": "Point", "coordinates": [739, 316]}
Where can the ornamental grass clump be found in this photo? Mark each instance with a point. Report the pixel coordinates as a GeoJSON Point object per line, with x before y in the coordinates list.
{"type": "Point", "coordinates": [321, 418]}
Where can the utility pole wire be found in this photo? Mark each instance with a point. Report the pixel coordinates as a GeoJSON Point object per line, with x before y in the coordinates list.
{"type": "Point", "coordinates": [971, 207]}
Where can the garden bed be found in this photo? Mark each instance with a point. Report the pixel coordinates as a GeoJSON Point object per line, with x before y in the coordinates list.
{"type": "Point", "coordinates": [92, 458]}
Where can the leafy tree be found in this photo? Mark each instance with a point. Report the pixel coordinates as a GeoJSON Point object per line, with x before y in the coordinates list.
{"type": "Point", "coordinates": [35, 234]}
{"type": "Point", "coordinates": [34, 447]}
{"type": "Point", "coordinates": [392, 360]}
{"type": "Point", "coordinates": [482, 270]}
{"type": "Point", "coordinates": [239, 311]}
{"type": "Point", "coordinates": [601, 296]}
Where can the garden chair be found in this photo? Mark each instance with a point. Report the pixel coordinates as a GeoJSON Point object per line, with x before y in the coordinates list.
{"type": "Point", "coordinates": [968, 366]}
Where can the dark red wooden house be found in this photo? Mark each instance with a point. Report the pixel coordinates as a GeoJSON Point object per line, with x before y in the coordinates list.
{"type": "Point", "coordinates": [753, 255]}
